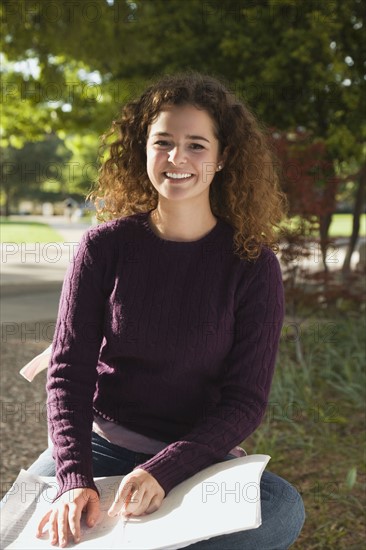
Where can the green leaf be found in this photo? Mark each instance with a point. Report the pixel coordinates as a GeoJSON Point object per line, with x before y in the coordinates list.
{"type": "Point", "coordinates": [351, 477]}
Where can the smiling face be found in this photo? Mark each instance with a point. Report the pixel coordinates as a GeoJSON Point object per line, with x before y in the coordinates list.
{"type": "Point", "coordinates": [182, 152]}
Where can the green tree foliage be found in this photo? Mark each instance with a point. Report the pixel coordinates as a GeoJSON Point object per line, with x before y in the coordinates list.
{"type": "Point", "coordinates": [22, 118]}
{"type": "Point", "coordinates": [26, 169]}
{"type": "Point", "coordinates": [81, 170]}
{"type": "Point", "coordinates": [298, 64]}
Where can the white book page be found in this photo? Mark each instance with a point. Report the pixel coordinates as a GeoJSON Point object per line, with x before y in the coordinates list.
{"type": "Point", "coordinates": [223, 498]}
{"type": "Point", "coordinates": [37, 364]}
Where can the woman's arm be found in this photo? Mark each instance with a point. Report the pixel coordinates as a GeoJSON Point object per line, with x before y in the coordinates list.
{"type": "Point", "coordinates": [72, 373]}
{"type": "Point", "coordinates": [246, 381]}
{"type": "Point", "coordinates": [71, 381]}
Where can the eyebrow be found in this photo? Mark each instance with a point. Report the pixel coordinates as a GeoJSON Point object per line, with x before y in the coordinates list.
{"type": "Point", "coordinates": [165, 134]}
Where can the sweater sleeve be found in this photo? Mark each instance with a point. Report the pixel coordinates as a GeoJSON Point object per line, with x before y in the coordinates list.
{"type": "Point", "coordinates": [72, 372]}
{"type": "Point", "coordinates": [245, 384]}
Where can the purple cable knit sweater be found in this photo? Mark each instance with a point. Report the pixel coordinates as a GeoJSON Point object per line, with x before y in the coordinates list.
{"type": "Point", "coordinates": [173, 340]}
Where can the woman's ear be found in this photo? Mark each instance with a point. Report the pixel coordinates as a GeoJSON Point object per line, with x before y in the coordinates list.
{"type": "Point", "coordinates": [222, 159]}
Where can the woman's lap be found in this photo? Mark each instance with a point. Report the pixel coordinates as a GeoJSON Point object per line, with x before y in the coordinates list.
{"type": "Point", "coordinates": [282, 508]}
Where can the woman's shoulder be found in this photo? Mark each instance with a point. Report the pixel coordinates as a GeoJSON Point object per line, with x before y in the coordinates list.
{"type": "Point", "coordinates": [266, 256]}
{"type": "Point", "coordinates": [106, 232]}
{"type": "Point", "coordinates": [266, 253]}
{"type": "Point", "coordinates": [267, 261]}
{"type": "Point", "coordinates": [266, 267]}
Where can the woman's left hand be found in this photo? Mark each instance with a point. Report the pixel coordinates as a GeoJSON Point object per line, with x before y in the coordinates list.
{"type": "Point", "coordinates": [138, 494]}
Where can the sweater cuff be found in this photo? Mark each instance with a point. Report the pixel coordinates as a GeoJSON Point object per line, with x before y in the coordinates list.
{"type": "Point", "coordinates": [74, 481]}
{"type": "Point", "coordinates": [166, 472]}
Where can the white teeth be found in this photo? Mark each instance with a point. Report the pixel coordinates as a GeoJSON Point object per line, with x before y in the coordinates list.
{"type": "Point", "coordinates": [177, 176]}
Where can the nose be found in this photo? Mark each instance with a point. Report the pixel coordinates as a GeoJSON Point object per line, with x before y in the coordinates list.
{"type": "Point", "coordinates": [177, 155]}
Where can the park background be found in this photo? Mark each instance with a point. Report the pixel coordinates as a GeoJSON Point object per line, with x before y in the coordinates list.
{"type": "Point", "coordinates": [67, 67]}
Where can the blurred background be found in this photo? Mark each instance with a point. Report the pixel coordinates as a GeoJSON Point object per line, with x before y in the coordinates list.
{"type": "Point", "coordinates": [67, 67]}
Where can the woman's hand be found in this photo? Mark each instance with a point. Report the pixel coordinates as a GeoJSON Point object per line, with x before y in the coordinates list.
{"type": "Point", "coordinates": [66, 512]}
{"type": "Point", "coordinates": [139, 493]}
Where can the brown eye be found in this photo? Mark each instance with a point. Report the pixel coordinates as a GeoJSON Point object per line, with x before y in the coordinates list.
{"type": "Point", "coordinates": [162, 143]}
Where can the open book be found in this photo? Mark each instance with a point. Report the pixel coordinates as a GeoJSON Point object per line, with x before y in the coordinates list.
{"type": "Point", "coordinates": [221, 499]}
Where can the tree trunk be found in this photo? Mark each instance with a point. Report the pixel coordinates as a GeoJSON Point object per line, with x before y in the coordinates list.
{"type": "Point", "coordinates": [328, 206]}
{"type": "Point", "coordinates": [324, 225]}
{"type": "Point", "coordinates": [7, 204]}
{"type": "Point", "coordinates": [357, 211]}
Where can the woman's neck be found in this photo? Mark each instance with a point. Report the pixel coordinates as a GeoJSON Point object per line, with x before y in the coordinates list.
{"type": "Point", "coordinates": [180, 226]}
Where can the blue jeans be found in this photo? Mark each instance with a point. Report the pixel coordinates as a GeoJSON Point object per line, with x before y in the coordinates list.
{"type": "Point", "coordinates": [283, 513]}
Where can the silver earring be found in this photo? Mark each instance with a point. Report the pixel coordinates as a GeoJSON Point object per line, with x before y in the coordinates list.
{"type": "Point", "coordinates": [219, 167]}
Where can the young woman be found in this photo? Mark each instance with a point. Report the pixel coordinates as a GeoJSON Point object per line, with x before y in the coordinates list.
{"type": "Point", "coordinates": [170, 314]}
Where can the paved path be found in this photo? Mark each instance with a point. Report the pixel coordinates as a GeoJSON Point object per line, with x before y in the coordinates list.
{"type": "Point", "coordinates": [32, 274]}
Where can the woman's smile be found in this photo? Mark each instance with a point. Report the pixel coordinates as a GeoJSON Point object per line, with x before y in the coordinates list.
{"type": "Point", "coordinates": [178, 177]}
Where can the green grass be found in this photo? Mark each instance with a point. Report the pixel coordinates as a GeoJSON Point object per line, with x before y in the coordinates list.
{"type": "Point", "coordinates": [341, 225]}
{"type": "Point", "coordinates": [27, 232]}
{"type": "Point", "coordinates": [313, 429]}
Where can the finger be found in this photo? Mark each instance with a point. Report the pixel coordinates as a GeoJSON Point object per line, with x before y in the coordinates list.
{"type": "Point", "coordinates": [62, 525]}
{"type": "Point", "coordinates": [122, 498]}
{"type": "Point", "coordinates": [42, 523]}
{"type": "Point", "coordinates": [154, 505]}
{"type": "Point", "coordinates": [92, 512]}
{"type": "Point", "coordinates": [53, 527]}
{"type": "Point", "coordinates": [139, 507]}
{"type": "Point", "coordinates": [132, 500]}
{"type": "Point", "coordinates": [74, 521]}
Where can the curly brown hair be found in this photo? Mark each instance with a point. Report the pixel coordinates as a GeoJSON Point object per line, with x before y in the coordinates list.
{"type": "Point", "coordinates": [245, 193]}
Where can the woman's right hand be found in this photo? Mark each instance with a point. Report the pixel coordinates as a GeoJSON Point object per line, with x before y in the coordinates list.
{"type": "Point", "coordinates": [66, 513]}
